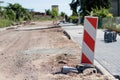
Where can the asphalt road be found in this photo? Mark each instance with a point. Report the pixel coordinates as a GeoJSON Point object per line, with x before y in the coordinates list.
{"type": "Point", "coordinates": [107, 54]}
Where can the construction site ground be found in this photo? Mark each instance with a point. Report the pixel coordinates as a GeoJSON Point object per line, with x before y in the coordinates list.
{"type": "Point", "coordinates": [37, 52]}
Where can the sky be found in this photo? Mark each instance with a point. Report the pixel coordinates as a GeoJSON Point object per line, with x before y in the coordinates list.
{"type": "Point", "coordinates": [41, 5]}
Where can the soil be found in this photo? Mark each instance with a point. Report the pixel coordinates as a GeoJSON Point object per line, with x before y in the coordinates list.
{"type": "Point", "coordinates": [37, 52]}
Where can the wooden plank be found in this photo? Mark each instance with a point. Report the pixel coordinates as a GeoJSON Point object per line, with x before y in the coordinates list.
{"type": "Point", "coordinates": [113, 29]}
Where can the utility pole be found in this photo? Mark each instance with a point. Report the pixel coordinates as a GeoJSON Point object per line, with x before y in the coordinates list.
{"type": "Point", "coordinates": [79, 12]}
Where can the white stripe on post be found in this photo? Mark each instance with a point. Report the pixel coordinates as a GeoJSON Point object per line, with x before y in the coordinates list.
{"type": "Point", "coordinates": [87, 51]}
{"type": "Point", "coordinates": [91, 30]}
{"type": "Point", "coordinates": [88, 47]}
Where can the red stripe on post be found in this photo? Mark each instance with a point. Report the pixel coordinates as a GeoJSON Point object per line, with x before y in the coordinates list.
{"type": "Point", "coordinates": [89, 41]}
{"type": "Point", "coordinates": [85, 59]}
{"type": "Point", "coordinates": [93, 21]}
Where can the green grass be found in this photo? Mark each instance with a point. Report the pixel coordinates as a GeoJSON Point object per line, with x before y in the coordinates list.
{"type": "Point", "coordinates": [5, 23]}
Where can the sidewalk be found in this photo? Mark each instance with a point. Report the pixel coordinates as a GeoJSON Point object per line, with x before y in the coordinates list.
{"type": "Point", "coordinates": [107, 54]}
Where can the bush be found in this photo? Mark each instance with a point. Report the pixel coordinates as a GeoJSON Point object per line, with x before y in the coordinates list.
{"type": "Point", "coordinates": [74, 19]}
{"type": "Point", "coordinates": [5, 23]}
{"type": "Point", "coordinates": [102, 12]}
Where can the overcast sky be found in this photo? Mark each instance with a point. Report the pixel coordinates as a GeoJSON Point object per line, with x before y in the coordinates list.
{"type": "Point", "coordinates": [41, 5]}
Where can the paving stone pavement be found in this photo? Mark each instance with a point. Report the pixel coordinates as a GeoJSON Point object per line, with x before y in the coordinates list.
{"type": "Point", "coordinates": [107, 54]}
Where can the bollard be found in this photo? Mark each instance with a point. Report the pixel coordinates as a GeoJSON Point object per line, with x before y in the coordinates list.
{"type": "Point", "coordinates": [89, 39]}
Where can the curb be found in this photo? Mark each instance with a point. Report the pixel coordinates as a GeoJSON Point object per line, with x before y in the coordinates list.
{"type": "Point", "coordinates": [103, 70]}
{"type": "Point", "coordinates": [10, 27]}
{"type": "Point", "coordinates": [66, 34]}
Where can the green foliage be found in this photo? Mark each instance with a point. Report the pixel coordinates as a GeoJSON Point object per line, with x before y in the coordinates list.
{"type": "Point", "coordinates": [102, 12]}
{"type": "Point", "coordinates": [13, 13]}
{"type": "Point", "coordinates": [19, 11]}
{"type": "Point", "coordinates": [5, 23]}
{"type": "Point", "coordinates": [88, 5]}
{"type": "Point", "coordinates": [10, 14]}
{"type": "Point", "coordinates": [62, 14]}
{"type": "Point", "coordinates": [48, 12]}
{"type": "Point", "coordinates": [54, 13]}
{"type": "Point", "coordinates": [73, 6]}
{"type": "Point", "coordinates": [91, 4]}
{"type": "Point", "coordinates": [74, 19]}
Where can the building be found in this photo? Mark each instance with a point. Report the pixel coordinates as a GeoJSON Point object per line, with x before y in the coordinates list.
{"type": "Point", "coordinates": [115, 7]}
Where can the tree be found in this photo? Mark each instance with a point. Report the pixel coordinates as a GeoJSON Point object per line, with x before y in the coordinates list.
{"type": "Point", "coordinates": [18, 10]}
{"type": "Point", "coordinates": [54, 13]}
{"type": "Point", "coordinates": [73, 6]}
{"type": "Point", "coordinates": [1, 7]}
{"type": "Point", "coordinates": [10, 14]}
{"type": "Point", "coordinates": [48, 12]}
{"type": "Point", "coordinates": [88, 5]}
{"type": "Point", "coordinates": [13, 13]}
{"type": "Point", "coordinates": [62, 14]}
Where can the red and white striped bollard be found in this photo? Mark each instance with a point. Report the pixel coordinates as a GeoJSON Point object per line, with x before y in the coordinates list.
{"type": "Point", "coordinates": [89, 39]}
